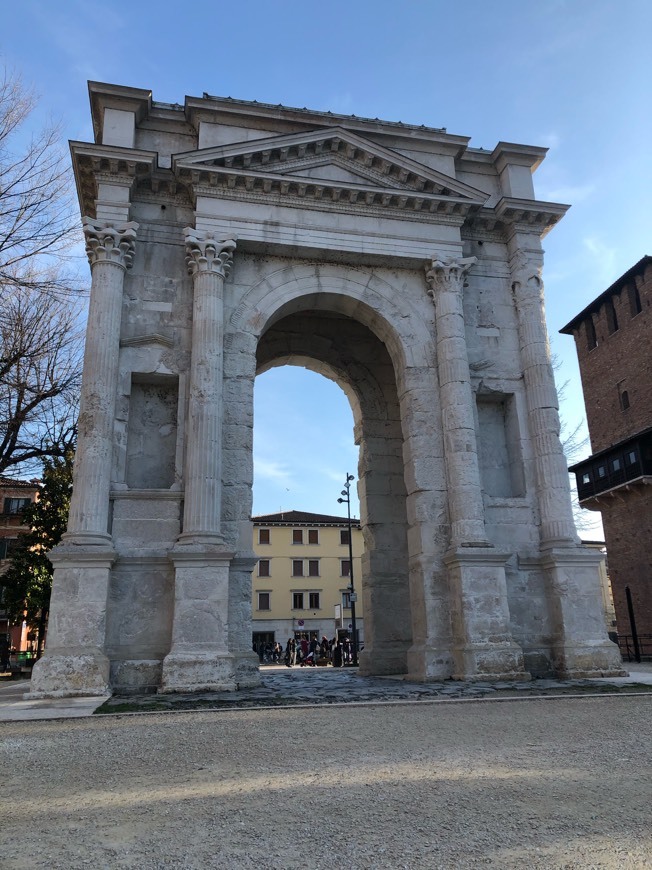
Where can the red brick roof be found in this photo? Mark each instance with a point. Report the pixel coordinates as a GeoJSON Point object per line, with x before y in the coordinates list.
{"type": "Point", "coordinates": [301, 518]}
{"type": "Point", "coordinates": [10, 483]}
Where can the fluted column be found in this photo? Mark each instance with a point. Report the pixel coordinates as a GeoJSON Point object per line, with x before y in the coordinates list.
{"type": "Point", "coordinates": [209, 262]}
{"type": "Point", "coordinates": [483, 647]}
{"type": "Point", "coordinates": [553, 488]}
{"type": "Point", "coordinates": [75, 662]}
{"type": "Point", "coordinates": [110, 249]}
{"type": "Point", "coordinates": [446, 283]}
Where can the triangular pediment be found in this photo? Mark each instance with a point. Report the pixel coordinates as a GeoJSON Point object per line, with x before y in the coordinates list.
{"type": "Point", "coordinates": [327, 170]}
{"type": "Point", "coordinates": [333, 164]}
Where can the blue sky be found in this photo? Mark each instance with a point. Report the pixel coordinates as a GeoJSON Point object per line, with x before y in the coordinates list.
{"type": "Point", "coordinates": [573, 75]}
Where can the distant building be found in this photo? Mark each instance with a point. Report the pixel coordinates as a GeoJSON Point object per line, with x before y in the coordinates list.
{"type": "Point", "coordinates": [300, 584]}
{"type": "Point", "coordinates": [613, 336]}
{"type": "Point", "coordinates": [15, 495]}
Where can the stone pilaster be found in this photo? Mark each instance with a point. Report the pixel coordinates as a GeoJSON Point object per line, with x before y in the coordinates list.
{"type": "Point", "coordinates": [483, 646]}
{"type": "Point", "coordinates": [209, 262]}
{"type": "Point", "coordinates": [200, 656]}
{"type": "Point", "coordinates": [551, 468]}
{"type": "Point", "coordinates": [446, 283]}
{"type": "Point", "coordinates": [74, 662]}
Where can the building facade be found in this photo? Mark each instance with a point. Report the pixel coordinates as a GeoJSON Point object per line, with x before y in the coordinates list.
{"type": "Point", "coordinates": [302, 579]}
{"type": "Point", "coordinates": [613, 337]}
{"type": "Point", "coordinates": [226, 237]}
{"type": "Point", "coordinates": [15, 496]}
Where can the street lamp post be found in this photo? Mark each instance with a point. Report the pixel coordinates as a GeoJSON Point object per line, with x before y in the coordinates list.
{"type": "Point", "coordinates": [346, 499]}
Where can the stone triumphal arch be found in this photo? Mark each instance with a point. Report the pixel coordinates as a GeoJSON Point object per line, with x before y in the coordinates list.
{"type": "Point", "coordinates": [226, 237]}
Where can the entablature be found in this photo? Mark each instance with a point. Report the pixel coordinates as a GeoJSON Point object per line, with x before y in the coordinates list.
{"type": "Point", "coordinates": [91, 163]}
{"type": "Point", "coordinates": [329, 166]}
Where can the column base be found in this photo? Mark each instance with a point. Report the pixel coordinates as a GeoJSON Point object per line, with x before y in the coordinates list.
{"type": "Point", "coordinates": [581, 648]}
{"type": "Point", "coordinates": [246, 670]}
{"type": "Point", "coordinates": [484, 648]}
{"type": "Point", "coordinates": [489, 663]}
{"type": "Point", "coordinates": [136, 676]}
{"type": "Point", "coordinates": [429, 664]}
{"type": "Point", "coordinates": [69, 674]}
{"type": "Point", "coordinates": [85, 539]}
{"type": "Point", "coordinates": [388, 659]}
{"type": "Point", "coordinates": [588, 662]}
{"type": "Point", "coordinates": [198, 671]}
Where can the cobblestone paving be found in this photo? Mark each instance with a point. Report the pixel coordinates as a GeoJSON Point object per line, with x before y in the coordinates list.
{"type": "Point", "coordinates": [295, 686]}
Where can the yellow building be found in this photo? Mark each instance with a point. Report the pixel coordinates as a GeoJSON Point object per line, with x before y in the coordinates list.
{"type": "Point", "coordinates": [301, 583]}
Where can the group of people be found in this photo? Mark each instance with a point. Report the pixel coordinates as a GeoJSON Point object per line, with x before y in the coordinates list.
{"type": "Point", "coordinates": [306, 652]}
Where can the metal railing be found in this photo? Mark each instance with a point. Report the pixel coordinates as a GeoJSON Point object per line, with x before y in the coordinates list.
{"type": "Point", "coordinates": [628, 647]}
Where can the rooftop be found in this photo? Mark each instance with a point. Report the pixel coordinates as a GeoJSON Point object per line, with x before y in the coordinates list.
{"type": "Point", "coordinates": [301, 518]}
{"type": "Point", "coordinates": [616, 287]}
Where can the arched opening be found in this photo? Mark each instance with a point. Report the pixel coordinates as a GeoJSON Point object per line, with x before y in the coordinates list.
{"type": "Point", "coordinates": [339, 347]}
{"type": "Point", "coordinates": [304, 579]}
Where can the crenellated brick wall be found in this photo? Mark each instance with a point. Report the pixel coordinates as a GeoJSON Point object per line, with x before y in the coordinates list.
{"type": "Point", "coordinates": [617, 383]}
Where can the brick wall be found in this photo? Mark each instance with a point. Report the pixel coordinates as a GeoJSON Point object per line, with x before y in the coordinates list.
{"type": "Point", "coordinates": [621, 361]}
{"type": "Point", "coordinates": [628, 531]}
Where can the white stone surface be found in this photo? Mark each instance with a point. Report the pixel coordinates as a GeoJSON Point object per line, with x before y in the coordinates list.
{"type": "Point", "coordinates": [472, 566]}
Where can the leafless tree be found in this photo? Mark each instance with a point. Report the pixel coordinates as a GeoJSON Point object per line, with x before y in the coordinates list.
{"type": "Point", "coordinates": [40, 337]}
{"type": "Point", "coordinates": [574, 442]}
{"type": "Point", "coordinates": [40, 376]}
{"type": "Point", "coordinates": [38, 223]}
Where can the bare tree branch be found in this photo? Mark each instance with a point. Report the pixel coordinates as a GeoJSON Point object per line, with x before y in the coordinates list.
{"type": "Point", "coordinates": [40, 375]}
{"type": "Point", "coordinates": [40, 336]}
{"type": "Point", "coordinates": [38, 220]}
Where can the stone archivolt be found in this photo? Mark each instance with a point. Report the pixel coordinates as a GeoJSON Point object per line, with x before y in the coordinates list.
{"type": "Point", "coordinates": [472, 568]}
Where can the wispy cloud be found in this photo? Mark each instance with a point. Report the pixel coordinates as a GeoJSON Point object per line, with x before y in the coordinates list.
{"type": "Point", "coordinates": [604, 257]}
{"type": "Point", "coordinates": [569, 193]}
{"type": "Point", "coordinates": [552, 139]}
{"type": "Point", "coordinates": [272, 470]}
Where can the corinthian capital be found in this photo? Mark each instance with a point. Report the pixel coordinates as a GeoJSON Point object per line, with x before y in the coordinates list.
{"type": "Point", "coordinates": [448, 275]}
{"type": "Point", "coordinates": [110, 241]}
{"type": "Point", "coordinates": [526, 268]}
{"type": "Point", "coordinates": [206, 254]}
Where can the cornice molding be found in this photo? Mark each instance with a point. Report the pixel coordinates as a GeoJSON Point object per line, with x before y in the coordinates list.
{"type": "Point", "coordinates": [529, 215]}
{"type": "Point", "coordinates": [108, 163]}
{"type": "Point", "coordinates": [144, 340]}
{"type": "Point", "coordinates": [416, 209]}
{"type": "Point", "coordinates": [388, 165]}
{"type": "Point", "coordinates": [214, 109]}
{"type": "Point", "coordinates": [103, 95]}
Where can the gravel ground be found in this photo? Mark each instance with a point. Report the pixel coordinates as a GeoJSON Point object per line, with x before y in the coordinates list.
{"type": "Point", "coordinates": [558, 783]}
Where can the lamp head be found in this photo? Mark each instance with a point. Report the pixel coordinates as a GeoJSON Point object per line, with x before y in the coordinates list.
{"type": "Point", "coordinates": [340, 500]}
